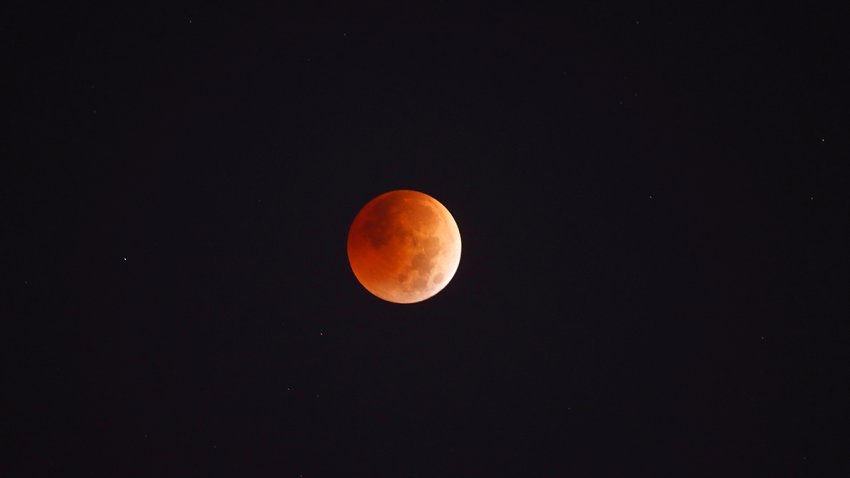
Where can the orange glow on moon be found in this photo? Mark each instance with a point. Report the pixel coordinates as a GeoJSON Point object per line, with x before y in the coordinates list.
{"type": "Point", "coordinates": [404, 246]}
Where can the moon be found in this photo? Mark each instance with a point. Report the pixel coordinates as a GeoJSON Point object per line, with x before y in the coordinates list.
{"type": "Point", "coordinates": [404, 246]}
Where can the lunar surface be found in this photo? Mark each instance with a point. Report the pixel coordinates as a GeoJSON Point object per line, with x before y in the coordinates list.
{"type": "Point", "coordinates": [404, 246]}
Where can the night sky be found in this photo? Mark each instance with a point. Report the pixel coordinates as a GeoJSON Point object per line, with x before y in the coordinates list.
{"type": "Point", "coordinates": [652, 202]}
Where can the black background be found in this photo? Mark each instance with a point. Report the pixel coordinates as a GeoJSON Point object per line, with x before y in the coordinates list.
{"type": "Point", "coordinates": [651, 200]}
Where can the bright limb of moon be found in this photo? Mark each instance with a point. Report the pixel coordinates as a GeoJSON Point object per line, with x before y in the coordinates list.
{"type": "Point", "coordinates": [404, 246]}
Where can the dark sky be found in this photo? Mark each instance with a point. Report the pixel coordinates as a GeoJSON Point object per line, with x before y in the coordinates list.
{"type": "Point", "coordinates": [652, 205]}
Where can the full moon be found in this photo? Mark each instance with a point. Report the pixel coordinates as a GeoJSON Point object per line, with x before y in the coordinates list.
{"type": "Point", "coordinates": [404, 246]}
